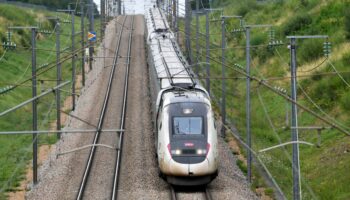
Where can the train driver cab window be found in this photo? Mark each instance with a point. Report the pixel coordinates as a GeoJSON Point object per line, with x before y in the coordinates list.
{"type": "Point", "coordinates": [188, 125]}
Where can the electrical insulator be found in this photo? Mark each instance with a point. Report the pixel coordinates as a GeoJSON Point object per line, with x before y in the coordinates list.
{"type": "Point", "coordinates": [241, 22]}
{"type": "Point", "coordinates": [327, 47]}
{"type": "Point", "coordinates": [9, 45]}
{"type": "Point", "coordinates": [272, 34]}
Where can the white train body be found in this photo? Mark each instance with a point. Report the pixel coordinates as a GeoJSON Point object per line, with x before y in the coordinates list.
{"type": "Point", "coordinates": [186, 137]}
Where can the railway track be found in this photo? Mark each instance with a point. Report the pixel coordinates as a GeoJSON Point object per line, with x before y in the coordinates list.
{"type": "Point", "coordinates": [91, 157]}
{"type": "Point", "coordinates": [122, 119]}
{"type": "Point", "coordinates": [202, 192]}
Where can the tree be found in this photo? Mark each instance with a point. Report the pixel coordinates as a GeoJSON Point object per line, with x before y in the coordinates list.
{"type": "Point", "coordinates": [202, 3]}
{"type": "Point", "coordinates": [347, 22]}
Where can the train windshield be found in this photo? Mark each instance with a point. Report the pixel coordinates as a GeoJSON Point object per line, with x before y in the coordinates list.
{"type": "Point", "coordinates": [188, 125]}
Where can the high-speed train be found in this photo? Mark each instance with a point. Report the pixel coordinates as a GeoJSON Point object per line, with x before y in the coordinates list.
{"type": "Point", "coordinates": [186, 137]}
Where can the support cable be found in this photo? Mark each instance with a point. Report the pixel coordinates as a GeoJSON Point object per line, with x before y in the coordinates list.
{"type": "Point", "coordinates": [340, 76]}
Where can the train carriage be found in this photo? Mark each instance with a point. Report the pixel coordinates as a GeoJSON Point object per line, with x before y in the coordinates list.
{"type": "Point", "coordinates": [186, 137]}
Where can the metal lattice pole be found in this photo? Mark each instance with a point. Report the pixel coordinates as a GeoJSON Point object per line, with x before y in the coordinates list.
{"type": "Point", "coordinates": [73, 59]}
{"type": "Point", "coordinates": [249, 141]}
{"type": "Point", "coordinates": [188, 30]}
{"type": "Point", "coordinates": [197, 35]}
{"type": "Point", "coordinates": [119, 7]}
{"type": "Point", "coordinates": [174, 14]}
{"type": "Point", "coordinates": [177, 22]}
{"type": "Point", "coordinates": [295, 160]}
{"type": "Point", "coordinates": [34, 108]}
{"type": "Point", "coordinates": [248, 101]}
{"type": "Point", "coordinates": [103, 17]}
{"type": "Point", "coordinates": [294, 131]}
{"type": "Point", "coordinates": [59, 78]}
{"type": "Point", "coordinates": [91, 29]}
{"type": "Point", "coordinates": [106, 10]}
{"type": "Point", "coordinates": [168, 10]}
{"type": "Point", "coordinates": [82, 42]}
{"type": "Point", "coordinates": [223, 69]}
{"type": "Point", "coordinates": [207, 37]}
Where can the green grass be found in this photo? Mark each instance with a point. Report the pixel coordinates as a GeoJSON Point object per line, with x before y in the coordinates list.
{"type": "Point", "coordinates": [324, 170]}
{"type": "Point", "coordinates": [16, 150]}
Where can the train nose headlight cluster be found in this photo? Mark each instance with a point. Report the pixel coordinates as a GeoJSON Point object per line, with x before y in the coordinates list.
{"type": "Point", "coordinates": [201, 151]}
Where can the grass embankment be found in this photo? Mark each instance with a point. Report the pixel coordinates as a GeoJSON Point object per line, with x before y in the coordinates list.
{"type": "Point", "coordinates": [324, 170]}
{"type": "Point", "coordinates": [16, 150]}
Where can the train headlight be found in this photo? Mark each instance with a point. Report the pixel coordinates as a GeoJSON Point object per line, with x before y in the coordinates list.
{"type": "Point", "coordinates": [201, 151]}
{"type": "Point", "coordinates": [187, 111]}
{"type": "Point", "coordinates": [176, 152]}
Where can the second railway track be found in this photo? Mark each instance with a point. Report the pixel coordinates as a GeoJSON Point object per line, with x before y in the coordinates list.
{"type": "Point", "coordinates": [120, 66]}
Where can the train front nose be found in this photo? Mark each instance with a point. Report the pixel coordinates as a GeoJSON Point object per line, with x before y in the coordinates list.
{"type": "Point", "coordinates": [189, 153]}
{"type": "Point", "coordinates": [190, 164]}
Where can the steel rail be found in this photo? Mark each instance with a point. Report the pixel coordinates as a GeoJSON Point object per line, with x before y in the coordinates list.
{"type": "Point", "coordinates": [122, 119]}
{"type": "Point", "coordinates": [207, 194]}
{"type": "Point", "coordinates": [100, 122]}
{"type": "Point", "coordinates": [205, 191]}
{"type": "Point", "coordinates": [173, 195]}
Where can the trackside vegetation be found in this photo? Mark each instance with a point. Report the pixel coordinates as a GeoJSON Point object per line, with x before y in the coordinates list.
{"type": "Point", "coordinates": [15, 67]}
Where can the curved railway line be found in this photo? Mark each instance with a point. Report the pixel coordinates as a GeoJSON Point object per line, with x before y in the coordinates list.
{"type": "Point", "coordinates": [119, 140]}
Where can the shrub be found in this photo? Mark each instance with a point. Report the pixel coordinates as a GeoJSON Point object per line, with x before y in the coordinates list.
{"type": "Point", "coordinates": [326, 92]}
{"type": "Point", "coordinates": [269, 191]}
{"type": "Point", "coordinates": [346, 59]}
{"type": "Point", "coordinates": [311, 50]}
{"type": "Point", "coordinates": [345, 101]}
{"type": "Point", "coordinates": [297, 23]}
{"type": "Point", "coordinates": [347, 22]}
{"type": "Point", "coordinates": [247, 6]}
{"type": "Point", "coordinates": [304, 3]}
{"type": "Point", "coordinates": [242, 166]}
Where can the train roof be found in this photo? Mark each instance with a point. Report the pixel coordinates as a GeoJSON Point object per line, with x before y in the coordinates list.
{"type": "Point", "coordinates": [193, 96]}
{"type": "Point", "coordinates": [156, 20]}
{"type": "Point", "coordinates": [171, 67]}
